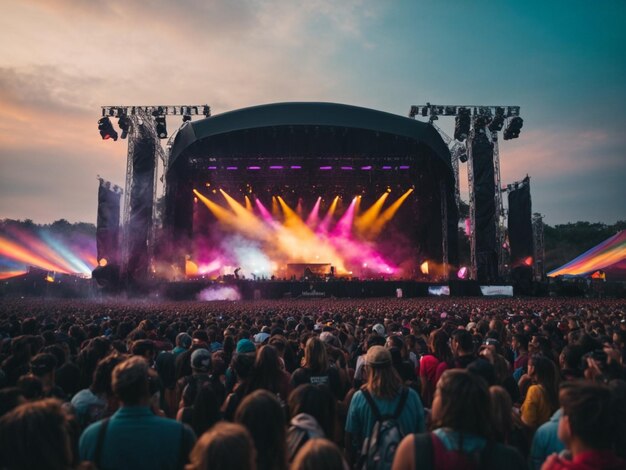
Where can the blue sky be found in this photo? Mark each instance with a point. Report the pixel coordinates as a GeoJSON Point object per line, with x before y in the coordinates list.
{"type": "Point", "coordinates": [563, 62]}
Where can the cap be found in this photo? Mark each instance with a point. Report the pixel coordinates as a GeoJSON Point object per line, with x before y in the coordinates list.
{"type": "Point", "coordinates": [377, 356]}
{"type": "Point", "coordinates": [183, 340]}
{"type": "Point", "coordinates": [261, 337]}
{"type": "Point", "coordinates": [201, 360]}
{"type": "Point", "coordinates": [379, 329]}
{"type": "Point", "coordinates": [329, 338]}
{"type": "Point", "coordinates": [245, 346]}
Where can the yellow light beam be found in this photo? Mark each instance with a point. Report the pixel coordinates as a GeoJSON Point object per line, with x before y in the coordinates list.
{"type": "Point", "coordinates": [291, 218]}
{"type": "Point", "coordinates": [275, 208]}
{"type": "Point", "coordinates": [365, 221]}
{"type": "Point", "coordinates": [248, 204]}
{"type": "Point", "coordinates": [244, 218]}
{"type": "Point", "coordinates": [218, 211]}
{"type": "Point", "coordinates": [387, 215]}
{"type": "Point", "coordinates": [229, 218]}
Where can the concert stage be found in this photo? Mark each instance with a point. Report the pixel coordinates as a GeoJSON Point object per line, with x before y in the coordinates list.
{"type": "Point", "coordinates": [355, 191]}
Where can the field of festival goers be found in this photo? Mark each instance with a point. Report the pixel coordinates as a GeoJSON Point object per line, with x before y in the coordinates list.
{"type": "Point", "coordinates": [313, 383]}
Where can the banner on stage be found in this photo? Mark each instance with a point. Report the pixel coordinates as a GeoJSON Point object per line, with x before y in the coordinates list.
{"type": "Point", "coordinates": [500, 291]}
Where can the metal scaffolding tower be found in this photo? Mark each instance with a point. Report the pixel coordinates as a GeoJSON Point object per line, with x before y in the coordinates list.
{"type": "Point", "coordinates": [493, 120]}
{"type": "Point", "coordinates": [144, 119]}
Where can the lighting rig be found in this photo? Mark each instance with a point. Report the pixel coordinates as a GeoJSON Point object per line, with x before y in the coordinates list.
{"type": "Point", "coordinates": [469, 120]}
{"type": "Point", "coordinates": [153, 120]}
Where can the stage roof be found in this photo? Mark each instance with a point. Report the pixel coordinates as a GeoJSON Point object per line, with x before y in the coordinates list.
{"type": "Point", "coordinates": [609, 256]}
{"type": "Point", "coordinates": [309, 114]}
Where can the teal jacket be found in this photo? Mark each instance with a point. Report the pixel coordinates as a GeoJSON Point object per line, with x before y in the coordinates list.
{"type": "Point", "coordinates": [136, 438]}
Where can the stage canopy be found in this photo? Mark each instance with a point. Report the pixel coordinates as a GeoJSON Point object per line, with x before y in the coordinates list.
{"type": "Point", "coordinates": [609, 257]}
{"type": "Point", "coordinates": [191, 137]}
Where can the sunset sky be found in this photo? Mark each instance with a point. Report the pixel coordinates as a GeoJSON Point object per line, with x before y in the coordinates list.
{"type": "Point", "coordinates": [563, 62]}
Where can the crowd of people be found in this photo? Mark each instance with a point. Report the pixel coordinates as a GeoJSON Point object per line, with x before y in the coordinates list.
{"type": "Point", "coordinates": [398, 384]}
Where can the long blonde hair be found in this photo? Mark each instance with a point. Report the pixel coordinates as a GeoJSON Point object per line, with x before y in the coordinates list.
{"type": "Point", "coordinates": [315, 356]}
{"type": "Point", "coordinates": [383, 381]}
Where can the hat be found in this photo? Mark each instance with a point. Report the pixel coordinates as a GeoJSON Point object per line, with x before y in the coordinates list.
{"type": "Point", "coordinates": [379, 329]}
{"type": "Point", "coordinates": [377, 356]}
{"type": "Point", "coordinates": [245, 346]}
{"type": "Point", "coordinates": [201, 360]}
{"type": "Point", "coordinates": [184, 340]}
{"type": "Point", "coordinates": [261, 337]}
{"type": "Point", "coordinates": [329, 338]}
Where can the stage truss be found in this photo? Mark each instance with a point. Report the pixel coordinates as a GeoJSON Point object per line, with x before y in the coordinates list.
{"type": "Point", "coordinates": [461, 152]}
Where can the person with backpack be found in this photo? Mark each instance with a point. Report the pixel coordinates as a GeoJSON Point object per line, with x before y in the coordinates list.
{"type": "Point", "coordinates": [313, 415]}
{"type": "Point", "coordinates": [381, 413]}
{"type": "Point", "coordinates": [134, 437]}
{"type": "Point", "coordinates": [462, 431]}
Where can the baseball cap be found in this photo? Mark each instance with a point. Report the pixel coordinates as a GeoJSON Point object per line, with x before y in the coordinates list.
{"type": "Point", "coordinates": [261, 337]}
{"type": "Point", "coordinates": [379, 329]}
{"type": "Point", "coordinates": [377, 356]}
{"type": "Point", "coordinates": [201, 360]}
{"type": "Point", "coordinates": [245, 346]}
{"type": "Point", "coordinates": [184, 340]}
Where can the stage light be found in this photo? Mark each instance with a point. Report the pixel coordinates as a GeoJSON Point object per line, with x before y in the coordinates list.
{"type": "Point", "coordinates": [206, 110]}
{"type": "Point", "coordinates": [424, 267]}
{"type": "Point", "coordinates": [326, 168]}
{"type": "Point", "coordinates": [386, 168]}
{"type": "Point", "coordinates": [161, 127]}
{"type": "Point", "coordinates": [462, 124]}
{"type": "Point", "coordinates": [462, 273]}
{"type": "Point", "coordinates": [528, 261]}
{"type": "Point", "coordinates": [106, 129]}
{"type": "Point", "coordinates": [124, 123]}
{"type": "Point", "coordinates": [276, 167]}
{"type": "Point", "coordinates": [366, 167]}
{"type": "Point", "coordinates": [296, 167]}
{"type": "Point", "coordinates": [513, 128]}
{"type": "Point", "coordinates": [103, 262]}
{"type": "Point", "coordinates": [498, 121]}
{"type": "Point", "coordinates": [481, 121]}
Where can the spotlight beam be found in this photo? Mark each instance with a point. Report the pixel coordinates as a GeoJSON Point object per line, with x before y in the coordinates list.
{"type": "Point", "coordinates": [369, 216]}
{"type": "Point", "coordinates": [388, 214]}
{"type": "Point", "coordinates": [323, 228]}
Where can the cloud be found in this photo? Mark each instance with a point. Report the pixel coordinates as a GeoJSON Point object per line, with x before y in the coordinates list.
{"type": "Point", "coordinates": [72, 57]}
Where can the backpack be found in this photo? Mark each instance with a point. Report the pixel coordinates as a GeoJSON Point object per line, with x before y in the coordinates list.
{"type": "Point", "coordinates": [379, 449]}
